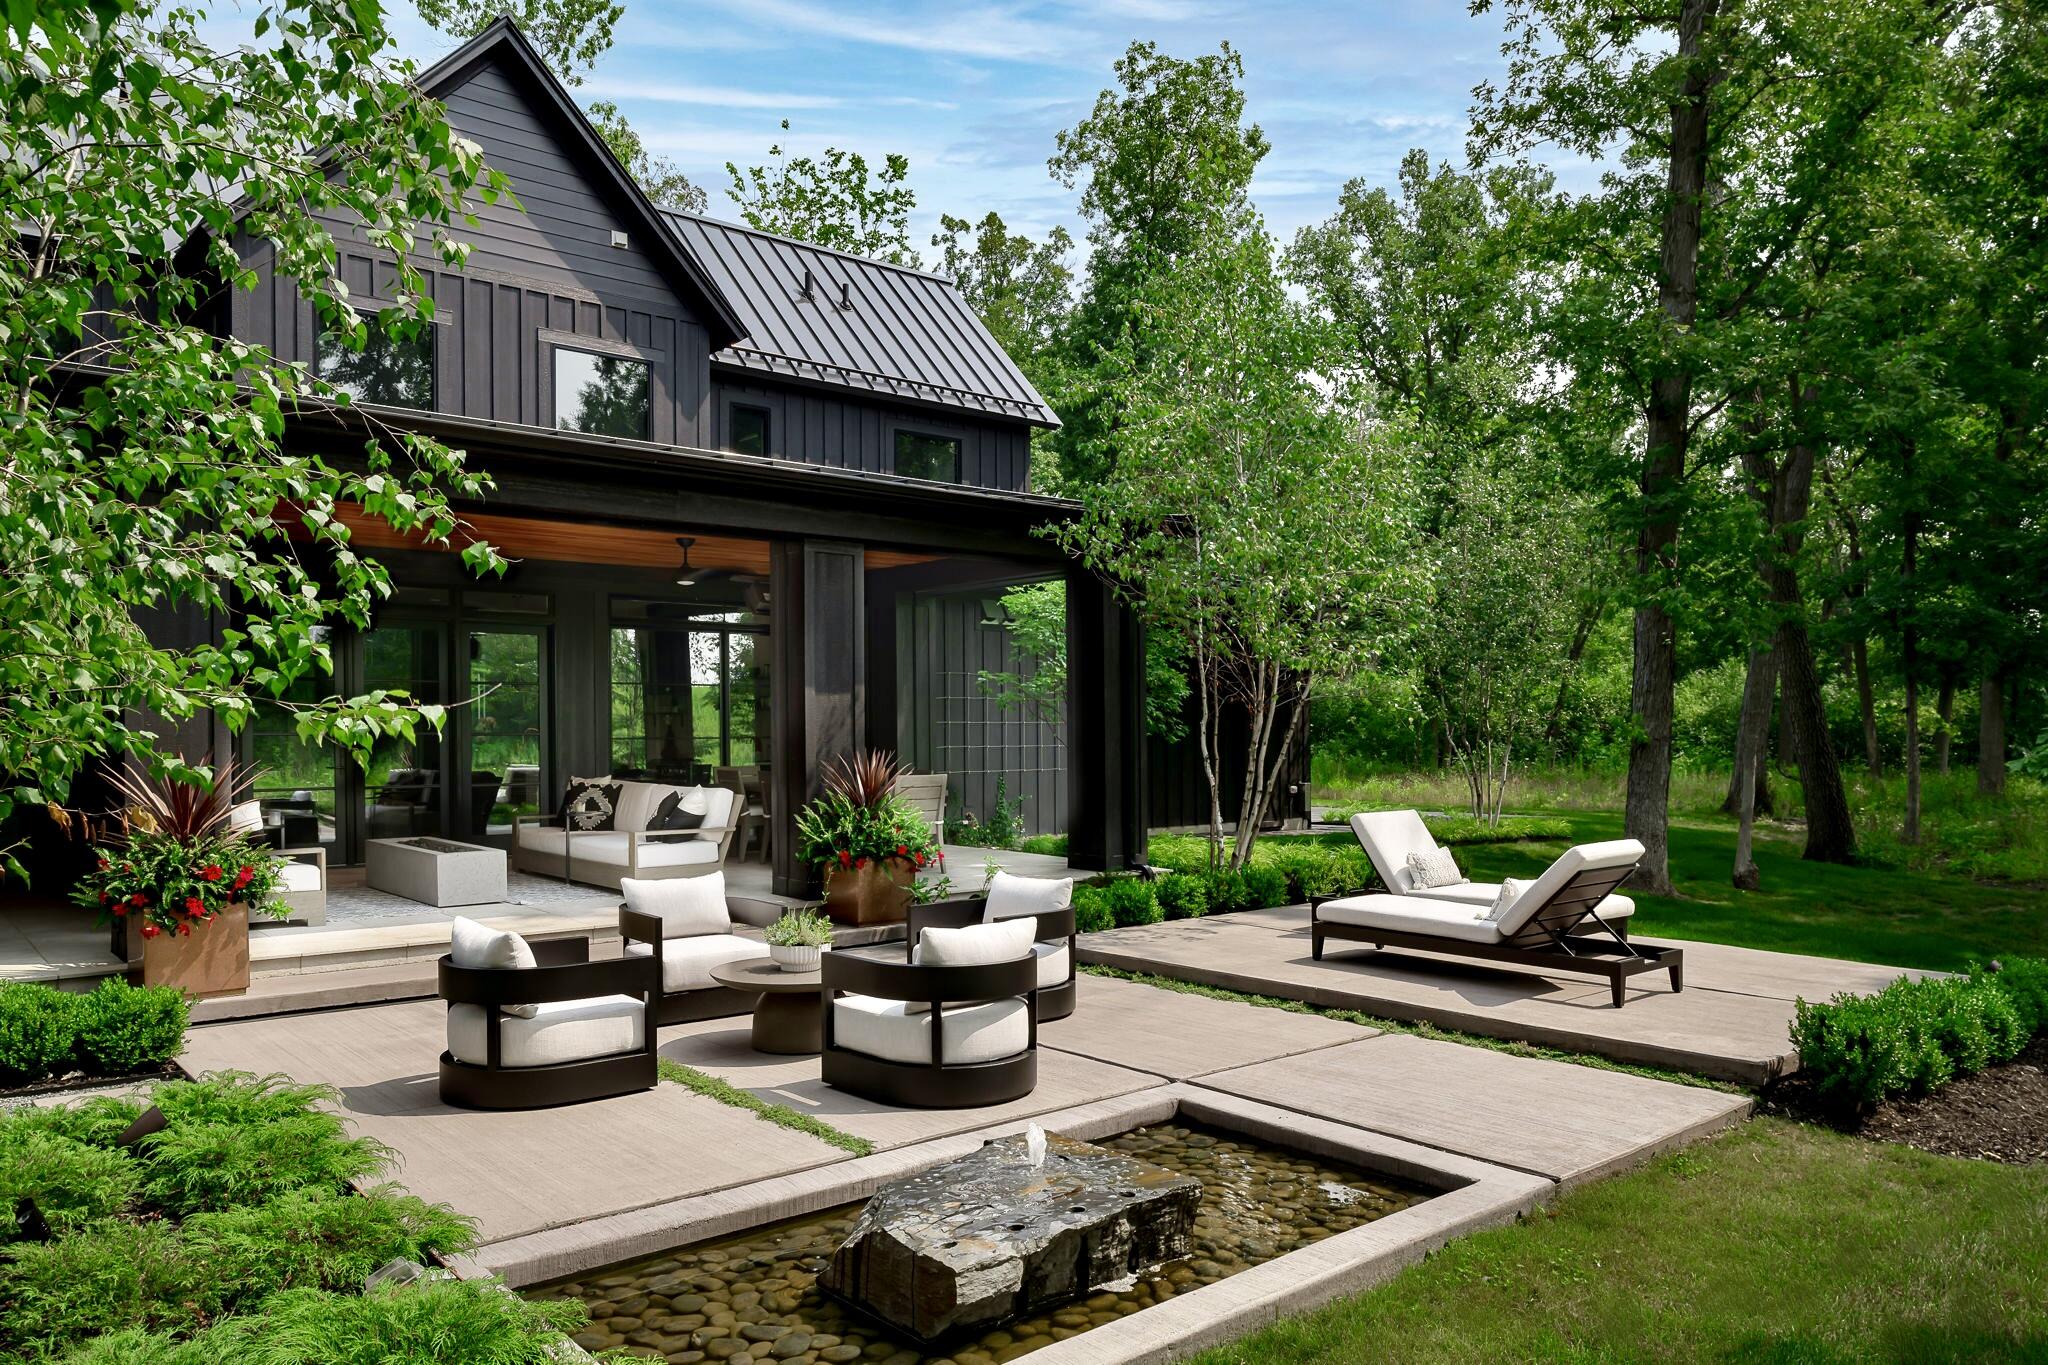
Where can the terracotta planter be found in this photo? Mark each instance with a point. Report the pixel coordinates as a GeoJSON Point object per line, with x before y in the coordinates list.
{"type": "Point", "coordinates": [876, 894]}
{"type": "Point", "coordinates": [212, 960]}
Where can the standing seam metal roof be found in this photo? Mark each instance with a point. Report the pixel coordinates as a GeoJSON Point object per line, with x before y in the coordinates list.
{"type": "Point", "coordinates": [904, 334]}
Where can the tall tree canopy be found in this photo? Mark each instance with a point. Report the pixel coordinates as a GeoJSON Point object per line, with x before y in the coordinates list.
{"type": "Point", "coordinates": [832, 200]}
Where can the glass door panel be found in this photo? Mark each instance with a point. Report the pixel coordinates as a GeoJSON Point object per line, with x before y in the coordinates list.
{"type": "Point", "coordinates": [294, 780]}
{"type": "Point", "coordinates": [506, 725]}
{"type": "Point", "coordinates": [405, 790]}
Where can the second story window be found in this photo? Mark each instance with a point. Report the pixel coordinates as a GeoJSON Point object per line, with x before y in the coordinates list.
{"type": "Point", "coordinates": [749, 430]}
{"type": "Point", "coordinates": [396, 371]}
{"type": "Point", "coordinates": [921, 455]}
{"type": "Point", "coordinates": [602, 395]}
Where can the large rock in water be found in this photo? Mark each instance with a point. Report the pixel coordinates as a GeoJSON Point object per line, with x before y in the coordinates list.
{"type": "Point", "coordinates": [989, 1237]}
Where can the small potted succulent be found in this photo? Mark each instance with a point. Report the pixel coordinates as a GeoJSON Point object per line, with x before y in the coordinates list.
{"type": "Point", "coordinates": [184, 882]}
{"type": "Point", "coordinates": [795, 940]}
{"type": "Point", "coordinates": [868, 841]}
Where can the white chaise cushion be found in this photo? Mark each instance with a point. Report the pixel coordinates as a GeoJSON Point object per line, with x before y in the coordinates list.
{"type": "Point", "coordinates": [481, 948]}
{"type": "Point", "coordinates": [686, 906]}
{"type": "Point", "coordinates": [1010, 895]}
{"type": "Point", "coordinates": [560, 1031]}
{"type": "Point", "coordinates": [1429, 868]}
{"type": "Point", "coordinates": [1052, 963]}
{"type": "Point", "coordinates": [1411, 915]}
{"type": "Point", "coordinates": [1482, 895]}
{"type": "Point", "coordinates": [986, 1032]}
{"type": "Point", "coordinates": [686, 963]}
{"type": "Point", "coordinates": [1610, 853]}
{"type": "Point", "coordinates": [1388, 837]}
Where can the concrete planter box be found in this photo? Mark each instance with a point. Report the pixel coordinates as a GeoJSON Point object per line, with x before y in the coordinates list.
{"type": "Point", "coordinates": [436, 872]}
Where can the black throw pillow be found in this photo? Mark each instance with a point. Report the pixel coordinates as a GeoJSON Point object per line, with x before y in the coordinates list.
{"type": "Point", "coordinates": [670, 815]}
{"type": "Point", "coordinates": [590, 805]}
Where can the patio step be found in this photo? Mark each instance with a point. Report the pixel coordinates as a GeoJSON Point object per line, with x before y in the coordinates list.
{"type": "Point", "coordinates": [302, 949]}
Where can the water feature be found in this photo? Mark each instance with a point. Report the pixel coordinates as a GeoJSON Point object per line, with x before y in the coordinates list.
{"type": "Point", "coordinates": [753, 1299]}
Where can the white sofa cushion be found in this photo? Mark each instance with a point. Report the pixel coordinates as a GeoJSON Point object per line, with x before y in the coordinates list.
{"type": "Point", "coordinates": [639, 800]}
{"type": "Point", "coordinates": [986, 1032]}
{"type": "Point", "coordinates": [297, 876]}
{"type": "Point", "coordinates": [686, 963]}
{"type": "Point", "coordinates": [686, 906]}
{"type": "Point", "coordinates": [481, 948]}
{"type": "Point", "coordinates": [1010, 895]}
{"type": "Point", "coordinates": [1388, 837]}
{"type": "Point", "coordinates": [1052, 964]}
{"type": "Point", "coordinates": [1411, 915]}
{"type": "Point", "coordinates": [1609, 853]}
{"type": "Point", "coordinates": [613, 849]}
{"type": "Point", "coordinates": [560, 1031]}
{"type": "Point", "coordinates": [1429, 868]}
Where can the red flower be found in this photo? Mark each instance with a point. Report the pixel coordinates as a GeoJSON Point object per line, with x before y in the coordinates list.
{"type": "Point", "coordinates": [211, 872]}
{"type": "Point", "coordinates": [138, 899]}
{"type": "Point", "coordinates": [103, 864]}
{"type": "Point", "coordinates": [902, 850]}
{"type": "Point", "coordinates": [920, 860]}
{"type": "Point", "coordinates": [103, 898]}
{"type": "Point", "coordinates": [845, 858]}
{"type": "Point", "coordinates": [149, 931]}
{"type": "Point", "coordinates": [120, 910]}
{"type": "Point", "coordinates": [192, 905]}
{"type": "Point", "coordinates": [243, 877]}
{"type": "Point", "coordinates": [185, 929]}
{"type": "Point", "coordinates": [860, 862]}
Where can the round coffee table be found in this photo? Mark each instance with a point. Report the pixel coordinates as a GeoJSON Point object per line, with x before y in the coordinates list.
{"type": "Point", "coordinates": [788, 1018]}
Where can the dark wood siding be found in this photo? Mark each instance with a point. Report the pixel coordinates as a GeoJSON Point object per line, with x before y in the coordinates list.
{"type": "Point", "coordinates": [847, 432]}
{"type": "Point", "coordinates": [1177, 791]}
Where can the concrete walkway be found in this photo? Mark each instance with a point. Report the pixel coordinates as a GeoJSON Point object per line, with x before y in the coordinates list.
{"type": "Point", "coordinates": [1731, 1021]}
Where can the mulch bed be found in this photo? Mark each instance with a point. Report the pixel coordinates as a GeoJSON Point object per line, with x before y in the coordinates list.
{"type": "Point", "coordinates": [1999, 1114]}
{"type": "Point", "coordinates": [79, 1080]}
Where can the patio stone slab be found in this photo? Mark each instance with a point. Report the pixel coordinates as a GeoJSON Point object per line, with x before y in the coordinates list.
{"type": "Point", "coordinates": [1564, 1122]}
{"type": "Point", "coordinates": [515, 1172]}
{"type": "Point", "coordinates": [722, 1048]}
{"type": "Point", "coordinates": [1179, 1036]}
{"type": "Point", "coordinates": [1727, 1034]}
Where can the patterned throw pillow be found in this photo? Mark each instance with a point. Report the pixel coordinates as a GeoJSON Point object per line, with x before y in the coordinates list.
{"type": "Point", "coordinates": [1511, 890]}
{"type": "Point", "coordinates": [1433, 867]}
{"type": "Point", "coordinates": [590, 805]}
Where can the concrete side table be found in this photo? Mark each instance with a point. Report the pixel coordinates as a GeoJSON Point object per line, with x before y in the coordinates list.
{"type": "Point", "coordinates": [436, 872]}
{"type": "Point", "coordinates": [789, 1017]}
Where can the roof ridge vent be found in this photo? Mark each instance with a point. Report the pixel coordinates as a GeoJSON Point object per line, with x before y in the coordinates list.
{"type": "Point", "coordinates": [809, 289]}
{"type": "Point", "coordinates": [846, 295]}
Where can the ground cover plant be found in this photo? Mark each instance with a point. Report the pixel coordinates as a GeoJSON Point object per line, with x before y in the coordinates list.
{"type": "Point", "coordinates": [231, 1233]}
{"type": "Point", "coordinates": [1774, 1241]}
{"type": "Point", "coordinates": [114, 1030]}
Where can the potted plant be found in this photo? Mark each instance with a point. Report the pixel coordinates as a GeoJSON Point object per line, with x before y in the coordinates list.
{"type": "Point", "coordinates": [868, 842]}
{"type": "Point", "coordinates": [184, 883]}
{"type": "Point", "coordinates": [795, 940]}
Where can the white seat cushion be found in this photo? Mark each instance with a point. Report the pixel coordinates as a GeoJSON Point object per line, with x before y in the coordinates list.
{"type": "Point", "coordinates": [686, 963]}
{"type": "Point", "coordinates": [561, 1031]}
{"type": "Point", "coordinates": [1610, 853]}
{"type": "Point", "coordinates": [295, 876]}
{"type": "Point", "coordinates": [1010, 895]}
{"type": "Point", "coordinates": [1481, 895]}
{"type": "Point", "coordinates": [610, 849]}
{"type": "Point", "coordinates": [686, 906]}
{"type": "Point", "coordinates": [973, 1033]}
{"type": "Point", "coordinates": [480, 948]}
{"type": "Point", "coordinates": [1411, 915]}
{"type": "Point", "coordinates": [1052, 964]}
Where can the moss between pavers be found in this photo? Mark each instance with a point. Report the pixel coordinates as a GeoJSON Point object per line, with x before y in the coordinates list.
{"type": "Point", "coordinates": [711, 1087]}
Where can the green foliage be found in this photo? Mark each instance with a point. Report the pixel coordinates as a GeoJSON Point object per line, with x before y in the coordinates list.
{"type": "Point", "coordinates": [830, 201]}
{"type": "Point", "coordinates": [97, 1122]}
{"type": "Point", "coordinates": [801, 928]}
{"type": "Point", "coordinates": [105, 1276]}
{"type": "Point", "coordinates": [1908, 1039]}
{"type": "Point", "coordinates": [1131, 901]}
{"type": "Point", "coordinates": [124, 1028]}
{"type": "Point", "coordinates": [178, 884]}
{"type": "Point", "coordinates": [1004, 827]}
{"type": "Point", "coordinates": [569, 34]}
{"type": "Point", "coordinates": [38, 1024]}
{"type": "Point", "coordinates": [1265, 886]}
{"type": "Point", "coordinates": [1021, 290]}
{"type": "Point", "coordinates": [663, 180]}
{"type": "Point", "coordinates": [1092, 912]}
{"type": "Point", "coordinates": [1182, 895]}
{"type": "Point", "coordinates": [1052, 845]}
{"type": "Point", "coordinates": [859, 819]}
{"type": "Point", "coordinates": [319, 1239]}
{"type": "Point", "coordinates": [2024, 982]}
{"type": "Point", "coordinates": [72, 1183]}
{"type": "Point", "coordinates": [233, 1149]}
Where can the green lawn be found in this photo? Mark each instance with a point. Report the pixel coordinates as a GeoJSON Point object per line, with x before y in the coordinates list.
{"type": "Point", "coordinates": [1871, 914]}
{"type": "Point", "coordinates": [1775, 1242]}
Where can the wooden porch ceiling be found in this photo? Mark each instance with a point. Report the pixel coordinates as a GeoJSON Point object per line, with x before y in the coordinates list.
{"type": "Point", "coordinates": [573, 542]}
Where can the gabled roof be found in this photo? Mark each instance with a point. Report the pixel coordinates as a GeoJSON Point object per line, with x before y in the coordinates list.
{"type": "Point", "coordinates": [502, 42]}
{"type": "Point", "coordinates": [864, 324]}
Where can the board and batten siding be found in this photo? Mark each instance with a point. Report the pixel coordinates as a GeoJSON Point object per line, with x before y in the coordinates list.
{"type": "Point", "coordinates": [819, 427]}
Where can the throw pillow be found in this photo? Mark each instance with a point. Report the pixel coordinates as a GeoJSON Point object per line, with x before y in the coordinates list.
{"type": "Point", "coordinates": [481, 948]}
{"type": "Point", "coordinates": [679, 810]}
{"type": "Point", "coordinates": [1433, 867]}
{"type": "Point", "coordinates": [686, 906]}
{"type": "Point", "coordinates": [1010, 895]}
{"type": "Point", "coordinates": [590, 804]}
{"type": "Point", "coordinates": [972, 945]}
{"type": "Point", "coordinates": [1511, 890]}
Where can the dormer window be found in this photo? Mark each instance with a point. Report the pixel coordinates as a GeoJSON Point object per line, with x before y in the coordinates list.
{"type": "Point", "coordinates": [601, 395]}
{"type": "Point", "coordinates": [749, 430]}
{"type": "Point", "coordinates": [923, 455]}
{"type": "Point", "coordinates": [392, 370]}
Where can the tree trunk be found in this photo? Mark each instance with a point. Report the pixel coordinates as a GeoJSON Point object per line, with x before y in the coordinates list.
{"type": "Point", "coordinates": [1945, 710]}
{"type": "Point", "coordinates": [1667, 428]}
{"type": "Point", "coordinates": [1991, 735]}
{"type": "Point", "coordinates": [1752, 734]}
{"type": "Point", "coordinates": [1553, 729]}
{"type": "Point", "coordinates": [1859, 658]}
{"type": "Point", "coordinates": [1749, 763]}
{"type": "Point", "coordinates": [1909, 647]}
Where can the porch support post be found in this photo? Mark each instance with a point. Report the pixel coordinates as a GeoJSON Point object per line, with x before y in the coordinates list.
{"type": "Point", "coordinates": [818, 683]}
{"type": "Point", "coordinates": [1105, 729]}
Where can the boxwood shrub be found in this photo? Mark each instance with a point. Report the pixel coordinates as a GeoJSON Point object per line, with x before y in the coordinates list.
{"type": "Point", "coordinates": [1131, 901]}
{"type": "Point", "coordinates": [124, 1028]}
{"type": "Point", "coordinates": [1091, 909]}
{"type": "Point", "coordinates": [38, 1027]}
{"type": "Point", "coordinates": [1182, 895]}
{"type": "Point", "coordinates": [1913, 1037]}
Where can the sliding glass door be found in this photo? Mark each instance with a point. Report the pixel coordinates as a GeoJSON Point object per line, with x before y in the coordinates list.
{"type": "Point", "coordinates": [503, 730]}
{"type": "Point", "coordinates": [405, 790]}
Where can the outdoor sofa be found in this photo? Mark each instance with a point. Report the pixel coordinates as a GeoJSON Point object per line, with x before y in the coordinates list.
{"type": "Point", "coordinates": [690, 924]}
{"type": "Point", "coordinates": [1391, 837]}
{"type": "Point", "coordinates": [1554, 922]}
{"type": "Point", "coordinates": [1047, 900]}
{"type": "Point", "coordinates": [628, 849]}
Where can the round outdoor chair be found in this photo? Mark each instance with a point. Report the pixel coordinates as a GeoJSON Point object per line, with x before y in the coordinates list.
{"type": "Point", "coordinates": [930, 1037]}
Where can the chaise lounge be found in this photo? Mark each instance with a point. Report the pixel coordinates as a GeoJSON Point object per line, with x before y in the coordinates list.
{"type": "Point", "coordinates": [1538, 924]}
{"type": "Point", "coordinates": [1404, 853]}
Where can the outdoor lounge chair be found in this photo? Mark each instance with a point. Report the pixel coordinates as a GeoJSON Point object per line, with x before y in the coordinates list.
{"type": "Point", "coordinates": [956, 1029]}
{"type": "Point", "coordinates": [532, 1025]}
{"type": "Point", "coordinates": [1389, 836]}
{"type": "Point", "coordinates": [688, 923]}
{"type": "Point", "coordinates": [1050, 900]}
{"type": "Point", "coordinates": [1546, 925]}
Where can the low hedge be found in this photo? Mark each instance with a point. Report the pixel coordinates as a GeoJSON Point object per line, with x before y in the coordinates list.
{"type": "Point", "coordinates": [115, 1030]}
{"type": "Point", "coordinates": [1913, 1037]}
